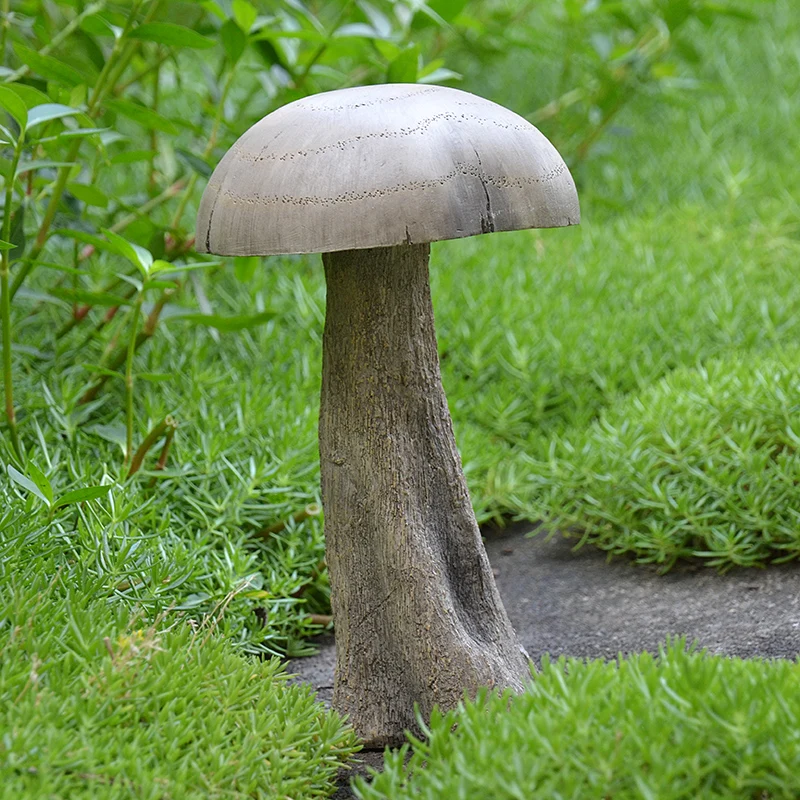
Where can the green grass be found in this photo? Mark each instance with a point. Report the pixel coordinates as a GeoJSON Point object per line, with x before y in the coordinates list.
{"type": "Point", "coordinates": [680, 725]}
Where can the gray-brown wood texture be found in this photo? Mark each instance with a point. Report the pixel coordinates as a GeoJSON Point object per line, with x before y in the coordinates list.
{"type": "Point", "coordinates": [380, 166]}
{"type": "Point", "coordinates": [417, 613]}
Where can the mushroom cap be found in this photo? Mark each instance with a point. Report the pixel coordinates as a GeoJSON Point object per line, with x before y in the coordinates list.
{"type": "Point", "coordinates": [378, 166]}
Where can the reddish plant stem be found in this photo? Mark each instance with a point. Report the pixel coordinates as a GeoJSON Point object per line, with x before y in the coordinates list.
{"type": "Point", "coordinates": [119, 357]}
{"type": "Point", "coordinates": [167, 426]}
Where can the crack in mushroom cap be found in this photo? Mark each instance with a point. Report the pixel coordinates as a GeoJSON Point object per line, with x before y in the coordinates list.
{"type": "Point", "coordinates": [378, 166]}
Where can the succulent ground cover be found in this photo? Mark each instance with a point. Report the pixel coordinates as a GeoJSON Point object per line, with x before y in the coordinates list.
{"type": "Point", "coordinates": [680, 286]}
{"type": "Point", "coordinates": [679, 725]}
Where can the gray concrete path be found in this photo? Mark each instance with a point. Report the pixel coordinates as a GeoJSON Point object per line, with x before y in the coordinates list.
{"type": "Point", "coordinates": [578, 604]}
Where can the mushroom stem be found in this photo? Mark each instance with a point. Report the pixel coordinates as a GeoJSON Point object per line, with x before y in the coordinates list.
{"type": "Point", "coordinates": [417, 614]}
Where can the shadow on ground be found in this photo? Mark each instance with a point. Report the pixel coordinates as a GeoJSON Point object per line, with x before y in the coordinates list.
{"type": "Point", "coordinates": [564, 602]}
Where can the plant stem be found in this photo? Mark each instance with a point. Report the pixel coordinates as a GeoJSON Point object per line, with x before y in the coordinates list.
{"type": "Point", "coordinates": [5, 303]}
{"type": "Point", "coordinates": [146, 333]}
{"type": "Point", "coordinates": [168, 426]}
{"type": "Point", "coordinates": [311, 510]}
{"type": "Point", "coordinates": [137, 309]}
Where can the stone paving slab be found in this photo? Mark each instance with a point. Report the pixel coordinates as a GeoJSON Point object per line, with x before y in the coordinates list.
{"type": "Point", "coordinates": [579, 604]}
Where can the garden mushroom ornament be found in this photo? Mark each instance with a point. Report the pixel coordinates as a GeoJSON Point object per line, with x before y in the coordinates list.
{"type": "Point", "coordinates": [369, 177]}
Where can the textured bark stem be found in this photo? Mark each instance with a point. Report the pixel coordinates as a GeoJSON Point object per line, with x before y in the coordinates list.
{"type": "Point", "coordinates": [418, 617]}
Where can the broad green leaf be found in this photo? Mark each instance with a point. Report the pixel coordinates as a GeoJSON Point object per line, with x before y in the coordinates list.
{"type": "Point", "coordinates": [404, 68]}
{"type": "Point", "coordinates": [234, 40]}
{"type": "Point", "coordinates": [28, 94]}
{"type": "Point", "coordinates": [228, 324]}
{"type": "Point", "coordinates": [172, 35]}
{"type": "Point", "coordinates": [81, 495]}
{"type": "Point", "coordinates": [244, 267]}
{"type": "Point", "coordinates": [90, 195]}
{"type": "Point", "coordinates": [48, 67]}
{"type": "Point", "coordinates": [87, 297]}
{"type": "Point", "coordinates": [245, 14]}
{"type": "Point", "coordinates": [143, 116]}
{"type": "Point", "coordinates": [137, 255]}
{"type": "Point", "coordinates": [49, 111]}
{"type": "Point", "coordinates": [27, 484]}
{"type": "Point", "coordinates": [40, 479]}
{"type": "Point", "coordinates": [6, 245]}
{"type": "Point", "coordinates": [14, 105]}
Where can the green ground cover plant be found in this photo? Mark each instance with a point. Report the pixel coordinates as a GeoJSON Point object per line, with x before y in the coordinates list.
{"type": "Point", "coordinates": [176, 409]}
{"type": "Point", "coordinates": [703, 464]}
{"type": "Point", "coordinates": [682, 724]}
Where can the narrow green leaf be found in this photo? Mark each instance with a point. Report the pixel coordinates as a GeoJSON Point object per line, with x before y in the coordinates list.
{"type": "Point", "coordinates": [228, 324]}
{"type": "Point", "coordinates": [89, 298]}
{"type": "Point", "coordinates": [233, 40]}
{"type": "Point", "coordinates": [244, 267]}
{"type": "Point", "coordinates": [196, 163]}
{"type": "Point", "coordinates": [49, 111]}
{"type": "Point", "coordinates": [132, 156]}
{"type": "Point", "coordinates": [81, 495]}
{"type": "Point", "coordinates": [90, 195]}
{"type": "Point", "coordinates": [171, 35]}
{"type": "Point", "coordinates": [60, 267]}
{"type": "Point", "coordinates": [32, 166]}
{"type": "Point", "coordinates": [245, 14]}
{"type": "Point", "coordinates": [142, 116]}
{"type": "Point", "coordinates": [115, 434]}
{"type": "Point", "coordinates": [403, 69]}
{"type": "Point", "coordinates": [168, 266]}
{"type": "Point", "coordinates": [141, 258]}
{"type": "Point", "coordinates": [27, 484]}
{"type": "Point", "coordinates": [162, 285]}
{"type": "Point", "coordinates": [40, 479]}
{"type": "Point", "coordinates": [6, 245]}
{"type": "Point", "coordinates": [14, 105]}
{"type": "Point", "coordinates": [98, 370]}
{"type": "Point", "coordinates": [48, 67]}
{"type": "Point", "coordinates": [155, 377]}
{"type": "Point", "coordinates": [28, 94]}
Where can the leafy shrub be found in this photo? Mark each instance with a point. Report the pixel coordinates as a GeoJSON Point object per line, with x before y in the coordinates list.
{"type": "Point", "coordinates": [703, 464]}
{"type": "Point", "coordinates": [683, 725]}
{"type": "Point", "coordinates": [591, 59]}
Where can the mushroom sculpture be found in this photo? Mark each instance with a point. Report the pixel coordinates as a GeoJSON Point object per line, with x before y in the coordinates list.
{"type": "Point", "coordinates": [369, 177]}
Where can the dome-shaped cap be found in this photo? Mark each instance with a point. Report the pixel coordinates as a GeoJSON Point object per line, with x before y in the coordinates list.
{"type": "Point", "coordinates": [378, 166]}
